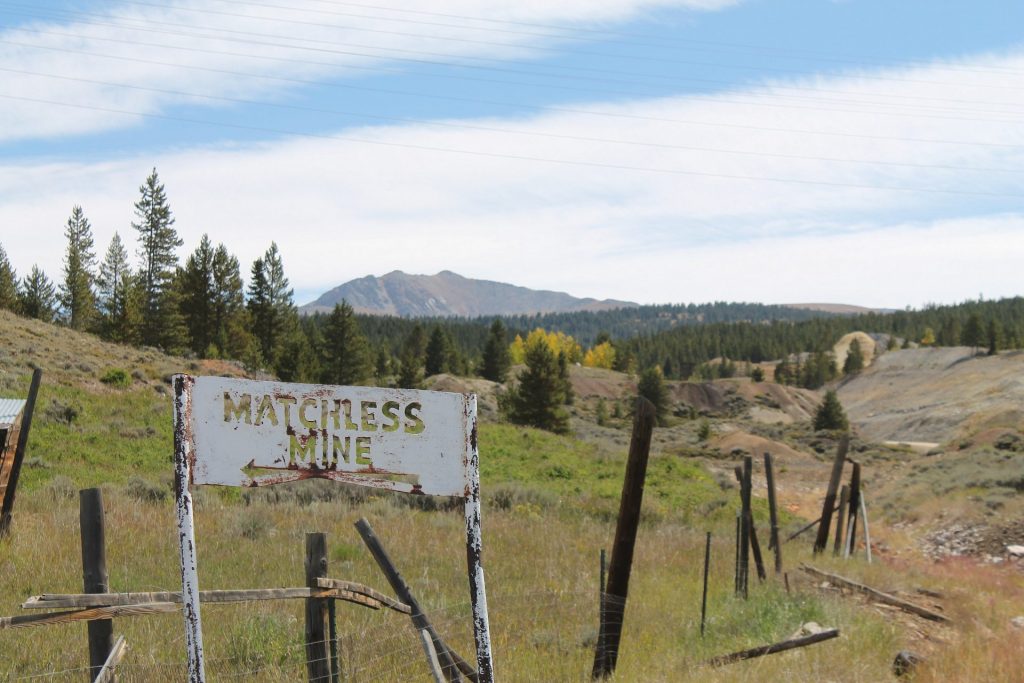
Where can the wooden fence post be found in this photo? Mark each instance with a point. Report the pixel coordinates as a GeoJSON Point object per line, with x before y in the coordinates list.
{"type": "Point", "coordinates": [94, 574]}
{"type": "Point", "coordinates": [844, 502]}
{"type": "Point", "coordinates": [851, 523]}
{"type": "Point", "coordinates": [317, 659]}
{"type": "Point", "coordinates": [830, 494]}
{"type": "Point", "coordinates": [744, 531]}
{"type": "Point", "coordinates": [19, 454]}
{"type": "Point", "coordinates": [773, 512]}
{"type": "Point", "coordinates": [736, 563]}
{"type": "Point", "coordinates": [704, 599]}
{"type": "Point", "coordinates": [625, 540]}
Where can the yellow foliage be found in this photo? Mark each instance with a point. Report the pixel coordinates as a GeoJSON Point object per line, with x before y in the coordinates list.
{"type": "Point", "coordinates": [928, 338]}
{"type": "Point", "coordinates": [517, 351]}
{"type": "Point", "coordinates": [558, 342]}
{"type": "Point", "coordinates": [601, 356]}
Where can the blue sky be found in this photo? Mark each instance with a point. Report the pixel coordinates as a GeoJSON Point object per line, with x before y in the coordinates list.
{"type": "Point", "coordinates": [854, 151]}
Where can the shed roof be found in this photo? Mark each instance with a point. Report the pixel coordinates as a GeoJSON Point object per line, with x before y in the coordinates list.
{"type": "Point", "coordinates": [10, 408]}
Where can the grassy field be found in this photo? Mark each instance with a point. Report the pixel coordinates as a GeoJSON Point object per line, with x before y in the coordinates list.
{"type": "Point", "coordinates": [550, 504]}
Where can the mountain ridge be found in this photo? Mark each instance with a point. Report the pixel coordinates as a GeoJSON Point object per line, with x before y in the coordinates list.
{"type": "Point", "coordinates": [448, 294]}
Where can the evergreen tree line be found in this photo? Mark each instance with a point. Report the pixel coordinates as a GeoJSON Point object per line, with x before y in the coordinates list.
{"type": "Point", "coordinates": [204, 308]}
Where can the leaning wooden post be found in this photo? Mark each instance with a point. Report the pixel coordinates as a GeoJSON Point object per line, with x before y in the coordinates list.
{"type": "Point", "coordinates": [704, 598]}
{"type": "Point", "coordinates": [451, 663]}
{"type": "Point", "coordinates": [830, 494]}
{"type": "Point", "coordinates": [755, 547]}
{"type": "Point", "coordinates": [851, 524]}
{"type": "Point", "coordinates": [19, 454]}
{"type": "Point", "coordinates": [773, 512]}
{"type": "Point", "coordinates": [317, 659]}
{"type": "Point", "coordinates": [844, 502]}
{"type": "Point", "coordinates": [621, 563]}
{"type": "Point", "coordinates": [94, 574]}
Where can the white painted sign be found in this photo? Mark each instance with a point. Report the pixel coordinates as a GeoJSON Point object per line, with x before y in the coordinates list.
{"type": "Point", "coordinates": [234, 432]}
{"type": "Point", "coordinates": [248, 433]}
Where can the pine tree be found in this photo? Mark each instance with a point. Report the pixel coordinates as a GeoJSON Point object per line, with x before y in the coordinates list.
{"type": "Point", "coordinates": [37, 298]}
{"type": "Point", "coordinates": [76, 295]}
{"type": "Point", "coordinates": [994, 334]}
{"type": "Point", "coordinates": [346, 356]}
{"type": "Point", "coordinates": [382, 365]}
{"type": "Point", "coordinates": [537, 399]}
{"type": "Point", "coordinates": [161, 321]}
{"type": "Point", "coordinates": [854, 362]}
{"type": "Point", "coordinates": [8, 284]}
{"type": "Point", "coordinates": [973, 333]}
{"type": "Point", "coordinates": [652, 387]}
{"type": "Point", "coordinates": [119, 296]}
{"type": "Point", "coordinates": [410, 367]}
{"type": "Point", "coordinates": [830, 414]}
{"type": "Point", "coordinates": [230, 321]}
{"type": "Point", "coordinates": [270, 304]}
{"type": "Point", "coordinates": [497, 361]}
{"type": "Point", "coordinates": [437, 353]}
{"type": "Point", "coordinates": [197, 298]}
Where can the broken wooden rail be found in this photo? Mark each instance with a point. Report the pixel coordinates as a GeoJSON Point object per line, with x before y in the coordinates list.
{"type": "Point", "coordinates": [877, 595]}
{"type": "Point", "coordinates": [782, 646]}
{"type": "Point", "coordinates": [97, 606]}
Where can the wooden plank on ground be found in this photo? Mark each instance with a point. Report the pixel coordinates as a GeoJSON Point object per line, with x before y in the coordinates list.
{"type": "Point", "coordinates": [876, 594]}
{"type": "Point", "coordinates": [791, 644]}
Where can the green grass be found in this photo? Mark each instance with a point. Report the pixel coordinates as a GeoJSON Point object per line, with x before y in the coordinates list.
{"type": "Point", "coordinates": [586, 476]}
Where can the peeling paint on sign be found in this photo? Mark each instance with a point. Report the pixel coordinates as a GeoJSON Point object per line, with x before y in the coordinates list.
{"type": "Point", "coordinates": [248, 433]}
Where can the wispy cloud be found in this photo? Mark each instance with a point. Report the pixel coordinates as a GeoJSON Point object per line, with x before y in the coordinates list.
{"type": "Point", "coordinates": [201, 47]}
{"type": "Point", "coordinates": [883, 187]}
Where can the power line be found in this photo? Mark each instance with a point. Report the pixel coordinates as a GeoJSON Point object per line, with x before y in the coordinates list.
{"type": "Point", "coordinates": [247, 3]}
{"type": "Point", "coordinates": [511, 131]}
{"type": "Point", "coordinates": [307, 62]}
{"type": "Point", "coordinates": [853, 59]}
{"type": "Point", "coordinates": [531, 107]}
{"type": "Point", "coordinates": [516, 157]}
{"type": "Point", "coordinates": [631, 75]}
{"type": "Point", "coordinates": [758, 68]}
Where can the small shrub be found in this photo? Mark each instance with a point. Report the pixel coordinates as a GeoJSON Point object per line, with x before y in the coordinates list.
{"type": "Point", "coordinates": [704, 432]}
{"type": "Point", "coordinates": [62, 413]}
{"type": "Point", "coordinates": [144, 491]}
{"type": "Point", "coordinates": [37, 463]}
{"type": "Point", "coordinates": [61, 488]}
{"type": "Point", "coordinates": [253, 525]}
{"type": "Point", "coordinates": [116, 377]}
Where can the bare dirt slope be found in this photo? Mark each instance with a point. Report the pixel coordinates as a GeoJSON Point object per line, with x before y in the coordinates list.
{"type": "Point", "coordinates": [936, 394]}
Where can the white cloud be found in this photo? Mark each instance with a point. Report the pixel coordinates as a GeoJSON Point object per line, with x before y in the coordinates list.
{"type": "Point", "coordinates": [146, 47]}
{"type": "Point", "coordinates": [342, 209]}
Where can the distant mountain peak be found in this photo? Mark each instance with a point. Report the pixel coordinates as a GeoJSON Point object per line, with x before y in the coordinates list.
{"type": "Point", "coordinates": [449, 294]}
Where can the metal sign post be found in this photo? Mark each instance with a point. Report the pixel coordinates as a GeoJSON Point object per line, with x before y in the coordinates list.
{"type": "Point", "coordinates": [233, 432]}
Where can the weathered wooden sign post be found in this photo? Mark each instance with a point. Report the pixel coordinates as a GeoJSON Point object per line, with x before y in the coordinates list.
{"type": "Point", "coordinates": [232, 432]}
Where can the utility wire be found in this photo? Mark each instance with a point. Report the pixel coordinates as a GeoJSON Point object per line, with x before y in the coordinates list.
{"type": "Point", "coordinates": [510, 131]}
{"type": "Point", "coordinates": [307, 62]}
{"type": "Point", "coordinates": [757, 68]}
{"type": "Point", "coordinates": [517, 157]}
{"type": "Point", "coordinates": [520, 105]}
{"type": "Point", "coordinates": [632, 75]}
{"type": "Point", "coordinates": [402, 33]}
